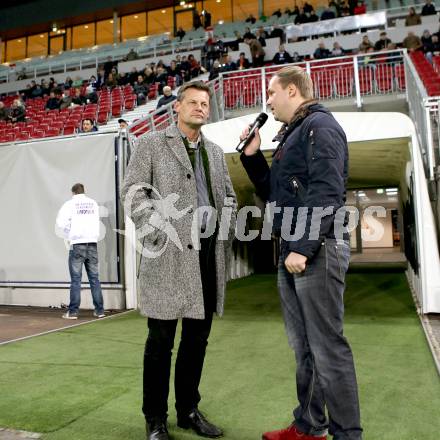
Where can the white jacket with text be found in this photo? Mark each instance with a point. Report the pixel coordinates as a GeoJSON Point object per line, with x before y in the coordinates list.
{"type": "Point", "coordinates": [78, 218]}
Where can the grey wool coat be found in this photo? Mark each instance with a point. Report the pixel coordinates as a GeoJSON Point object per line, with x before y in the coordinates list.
{"type": "Point", "coordinates": [159, 194]}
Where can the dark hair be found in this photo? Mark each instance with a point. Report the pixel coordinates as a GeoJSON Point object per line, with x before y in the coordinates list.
{"type": "Point", "coordinates": [87, 119]}
{"type": "Point", "coordinates": [198, 85]}
{"type": "Point", "coordinates": [78, 188]}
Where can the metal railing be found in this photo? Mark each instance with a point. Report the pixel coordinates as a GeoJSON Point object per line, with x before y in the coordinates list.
{"type": "Point", "coordinates": [424, 111]}
{"type": "Point", "coordinates": [92, 58]}
{"type": "Point", "coordinates": [351, 77]}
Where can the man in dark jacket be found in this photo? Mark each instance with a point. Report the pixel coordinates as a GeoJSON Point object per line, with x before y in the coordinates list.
{"type": "Point", "coordinates": [166, 98]}
{"type": "Point", "coordinates": [282, 56]}
{"type": "Point", "coordinates": [307, 182]}
{"type": "Point", "coordinates": [428, 8]}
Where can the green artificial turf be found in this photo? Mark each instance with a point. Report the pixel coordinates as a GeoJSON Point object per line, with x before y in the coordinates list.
{"type": "Point", "coordinates": [85, 383]}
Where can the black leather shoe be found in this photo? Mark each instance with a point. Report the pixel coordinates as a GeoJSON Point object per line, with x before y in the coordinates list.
{"type": "Point", "coordinates": [157, 431]}
{"type": "Point", "coordinates": [198, 423]}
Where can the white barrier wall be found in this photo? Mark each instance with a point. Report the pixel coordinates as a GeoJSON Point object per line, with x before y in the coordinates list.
{"type": "Point", "coordinates": [35, 180]}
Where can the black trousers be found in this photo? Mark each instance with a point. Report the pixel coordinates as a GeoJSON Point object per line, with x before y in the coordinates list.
{"type": "Point", "coordinates": [191, 353]}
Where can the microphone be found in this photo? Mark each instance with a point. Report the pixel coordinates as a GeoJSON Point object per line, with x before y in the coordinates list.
{"type": "Point", "coordinates": [258, 123]}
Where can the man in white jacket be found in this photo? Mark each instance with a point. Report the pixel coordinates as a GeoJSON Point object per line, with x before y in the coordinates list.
{"type": "Point", "coordinates": [78, 218]}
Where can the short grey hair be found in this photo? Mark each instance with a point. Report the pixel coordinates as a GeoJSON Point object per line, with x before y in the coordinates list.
{"type": "Point", "coordinates": [198, 85]}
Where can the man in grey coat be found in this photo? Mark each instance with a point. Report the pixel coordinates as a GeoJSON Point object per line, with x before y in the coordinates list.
{"type": "Point", "coordinates": [179, 194]}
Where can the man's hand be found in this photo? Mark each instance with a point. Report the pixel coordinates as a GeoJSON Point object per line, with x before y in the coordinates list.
{"type": "Point", "coordinates": [254, 144]}
{"type": "Point", "coordinates": [295, 263]}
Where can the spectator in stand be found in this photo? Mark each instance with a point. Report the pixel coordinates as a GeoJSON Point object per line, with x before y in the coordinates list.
{"type": "Point", "coordinates": [215, 70]}
{"type": "Point", "coordinates": [206, 18]}
{"type": "Point", "coordinates": [197, 22]}
{"type": "Point", "coordinates": [431, 45]}
{"type": "Point", "coordinates": [337, 50]}
{"type": "Point", "coordinates": [108, 66]}
{"type": "Point", "coordinates": [185, 68]}
{"type": "Point", "coordinates": [53, 102]}
{"type": "Point", "coordinates": [78, 99]}
{"type": "Point", "coordinates": [257, 52]}
{"type": "Point", "coordinates": [428, 8]}
{"type": "Point", "coordinates": [296, 57]}
{"type": "Point", "coordinates": [243, 63]}
{"type": "Point", "coordinates": [328, 14]}
{"type": "Point", "coordinates": [45, 87]}
{"type": "Point", "coordinates": [37, 91]}
{"type": "Point", "coordinates": [302, 17]}
{"type": "Point", "coordinates": [180, 33]}
{"type": "Point", "coordinates": [100, 79]}
{"type": "Point", "coordinates": [111, 81]}
{"type": "Point", "coordinates": [313, 18]}
{"type": "Point", "coordinates": [251, 19]}
{"type": "Point", "coordinates": [141, 90]}
{"type": "Point", "coordinates": [426, 41]}
{"type": "Point", "coordinates": [194, 66]}
{"type": "Point", "coordinates": [308, 8]}
{"type": "Point", "coordinates": [17, 112]}
{"type": "Point", "coordinates": [228, 65]}
{"type": "Point", "coordinates": [412, 19]}
{"type": "Point", "coordinates": [68, 83]}
{"type": "Point", "coordinates": [352, 5]}
{"type": "Point", "coordinates": [248, 34]}
{"type": "Point", "coordinates": [21, 74]}
{"type": "Point", "coordinates": [4, 112]}
{"type": "Point", "coordinates": [166, 98]}
{"type": "Point", "coordinates": [132, 55]}
{"type": "Point", "coordinates": [434, 48]}
{"type": "Point", "coordinates": [122, 79]}
{"type": "Point", "coordinates": [213, 50]}
{"type": "Point", "coordinates": [277, 13]}
{"type": "Point", "coordinates": [277, 32]}
{"type": "Point", "coordinates": [282, 56]}
{"type": "Point", "coordinates": [382, 43]}
{"type": "Point", "coordinates": [234, 44]}
{"type": "Point", "coordinates": [344, 10]}
{"type": "Point", "coordinates": [161, 77]}
{"type": "Point", "coordinates": [175, 73]}
{"type": "Point", "coordinates": [263, 32]}
{"type": "Point", "coordinates": [368, 60]}
{"type": "Point", "coordinates": [88, 126]}
{"type": "Point", "coordinates": [261, 38]}
{"type": "Point", "coordinates": [393, 57]}
{"type": "Point", "coordinates": [321, 52]}
{"type": "Point", "coordinates": [91, 95]}
{"type": "Point", "coordinates": [51, 82]}
{"type": "Point", "coordinates": [65, 101]}
{"type": "Point", "coordinates": [365, 44]}
{"type": "Point", "coordinates": [132, 76]}
{"type": "Point", "coordinates": [360, 8]}
{"type": "Point", "coordinates": [412, 42]}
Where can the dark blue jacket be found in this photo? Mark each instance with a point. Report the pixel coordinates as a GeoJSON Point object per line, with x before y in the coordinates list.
{"type": "Point", "coordinates": [309, 169]}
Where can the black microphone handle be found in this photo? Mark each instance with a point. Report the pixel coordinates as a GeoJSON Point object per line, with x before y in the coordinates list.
{"type": "Point", "coordinates": [245, 142]}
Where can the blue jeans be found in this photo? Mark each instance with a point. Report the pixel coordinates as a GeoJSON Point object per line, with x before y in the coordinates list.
{"type": "Point", "coordinates": [86, 254]}
{"type": "Point", "coordinates": [313, 310]}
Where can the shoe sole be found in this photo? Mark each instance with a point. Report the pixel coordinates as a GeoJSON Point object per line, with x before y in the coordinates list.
{"type": "Point", "coordinates": [72, 318]}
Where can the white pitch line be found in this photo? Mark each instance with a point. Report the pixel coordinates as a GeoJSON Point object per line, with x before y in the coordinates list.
{"type": "Point", "coordinates": [62, 328]}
